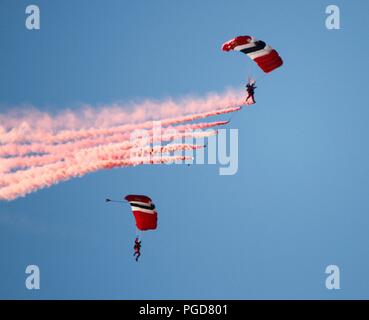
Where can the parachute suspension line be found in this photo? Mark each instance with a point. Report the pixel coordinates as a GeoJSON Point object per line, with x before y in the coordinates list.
{"type": "Point", "coordinates": [251, 77]}
{"type": "Point", "coordinates": [252, 72]}
{"type": "Point", "coordinates": [262, 77]}
{"type": "Point", "coordinates": [249, 72]}
{"type": "Point", "coordinates": [138, 234]}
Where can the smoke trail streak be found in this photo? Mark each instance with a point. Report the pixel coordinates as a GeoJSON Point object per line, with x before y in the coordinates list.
{"type": "Point", "coordinates": [61, 152]}
{"type": "Point", "coordinates": [83, 157]}
{"type": "Point", "coordinates": [38, 150]}
{"type": "Point", "coordinates": [115, 114]}
{"type": "Point", "coordinates": [25, 132]}
{"type": "Point", "coordinates": [16, 150]}
{"type": "Point", "coordinates": [61, 174]}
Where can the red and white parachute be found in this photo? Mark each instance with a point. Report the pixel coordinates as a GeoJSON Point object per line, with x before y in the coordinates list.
{"type": "Point", "coordinates": [264, 55]}
{"type": "Point", "coordinates": [144, 212]}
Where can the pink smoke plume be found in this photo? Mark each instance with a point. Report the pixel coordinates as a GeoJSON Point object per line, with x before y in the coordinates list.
{"type": "Point", "coordinates": [102, 152]}
{"type": "Point", "coordinates": [38, 149]}
{"type": "Point", "coordinates": [13, 149]}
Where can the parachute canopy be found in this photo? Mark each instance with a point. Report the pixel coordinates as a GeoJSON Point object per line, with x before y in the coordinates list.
{"type": "Point", "coordinates": [144, 212]}
{"type": "Point", "coordinates": [264, 55]}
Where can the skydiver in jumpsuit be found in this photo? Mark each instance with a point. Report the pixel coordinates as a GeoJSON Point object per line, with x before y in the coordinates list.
{"type": "Point", "coordinates": [250, 88]}
{"type": "Point", "coordinates": [137, 248]}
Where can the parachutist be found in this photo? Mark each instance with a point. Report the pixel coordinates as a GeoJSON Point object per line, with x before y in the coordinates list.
{"type": "Point", "coordinates": [263, 54]}
{"type": "Point", "coordinates": [137, 248]}
{"type": "Point", "coordinates": [145, 214]}
{"type": "Point", "coordinates": [250, 88]}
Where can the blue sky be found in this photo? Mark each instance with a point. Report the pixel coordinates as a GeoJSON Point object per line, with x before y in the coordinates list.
{"type": "Point", "coordinates": [298, 203]}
